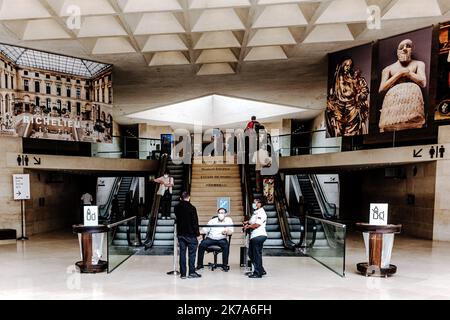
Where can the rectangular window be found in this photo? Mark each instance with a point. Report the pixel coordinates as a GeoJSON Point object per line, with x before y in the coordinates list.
{"type": "Point", "coordinates": [78, 108]}
{"type": "Point", "coordinates": [25, 72]}
{"type": "Point", "coordinates": [58, 90]}
{"type": "Point", "coordinates": [37, 86]}
{"type": "Point", "coordinates": [68, 80]}
{"type": "Point", "coordinates": [69, 92]}
{"type": "Point", "coordinates": [47, 76]}
{"type": "Point", "coordinates": [12, 82]}
{"type": "Point", "coordinates": [58, 78]}
{"type": "Point", "coordinates": [37, 75]}
{"type": "Point", "coordinates": [25, 85]}
{"type": "Point", "coordinates": [48, 88]}
{"type": "Point", "coordinates": [78, 81]}
{"type": "Point", "coordinates": [6, 81]}
{"type": "Point", "coordinates": [78, 93]}
{"type": "Point", "coordinates": [88, 96]}
{"type": "Point", "coordinates": [110, 97]}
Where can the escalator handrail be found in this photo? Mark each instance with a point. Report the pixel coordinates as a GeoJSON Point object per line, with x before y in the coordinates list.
{"type": "Point", "coordinates": [247, 194]}
{"type": "Point", "coordinates": [328, 209]}
{"type": "Point", "coordinates": [105, 208]}
{"type": "Point", "coordinates": [281, 208]}
{"type": "Point", "coordinates": [153, 216]}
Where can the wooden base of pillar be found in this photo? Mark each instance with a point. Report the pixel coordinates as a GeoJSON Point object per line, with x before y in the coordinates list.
{"type": "Point", "coordinates": [100, 267]}
{"type": "Point", "coordinates": [376, 271]}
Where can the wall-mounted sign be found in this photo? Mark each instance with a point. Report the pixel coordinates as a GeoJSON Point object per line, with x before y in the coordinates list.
{"type": "Point", "coordinates": [224, 202]}
{"type": "Point", "coordinates": [378, 214]}
{"type": "Point", "coordinates": [21, 186]}
{"type": "Point", "coordinates": [91, 216]}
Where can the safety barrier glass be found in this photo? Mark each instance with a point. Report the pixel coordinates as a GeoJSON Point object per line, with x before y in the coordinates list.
{"type": "Point", "coordinates": [325, 243]}
{"type": "Point", "coordinates": [129, 148]}
{"type": "Point", "coordinates": [123, 242]}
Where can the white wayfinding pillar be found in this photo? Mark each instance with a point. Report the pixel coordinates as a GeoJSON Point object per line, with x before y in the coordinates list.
{"type": "Point", "coordinates": [174, 271]}
{"type": "Point", "coordinates": [21, 191]}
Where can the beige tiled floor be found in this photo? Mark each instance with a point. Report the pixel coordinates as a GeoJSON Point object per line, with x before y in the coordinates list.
{"type": "Point", "coordinates": [42, 268]}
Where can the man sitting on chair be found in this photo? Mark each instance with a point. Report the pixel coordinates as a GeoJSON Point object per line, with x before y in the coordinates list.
{"type": "Point", "coordinates": [216, 236]}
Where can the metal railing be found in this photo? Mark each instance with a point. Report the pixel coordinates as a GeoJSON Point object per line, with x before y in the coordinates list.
{"type": "Point", "coordinates": [328, 209]}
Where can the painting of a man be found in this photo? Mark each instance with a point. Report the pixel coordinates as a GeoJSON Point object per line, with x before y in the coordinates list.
{"type": "Point", "coordinates": [403, 105]}
{"type": "Point", "coordinates": [348, 102]}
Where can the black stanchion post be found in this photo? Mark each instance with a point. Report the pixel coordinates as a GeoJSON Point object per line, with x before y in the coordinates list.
{"type": "Point", "coordinates": [23, 237]}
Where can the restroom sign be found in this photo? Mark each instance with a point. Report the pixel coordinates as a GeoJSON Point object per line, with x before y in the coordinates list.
{"type": "Point", "coordinates": [21, 186]}
{"type": "Point", "coordinates": [378, 214]}
{"type": "Point", "coordinates": [91, 216]}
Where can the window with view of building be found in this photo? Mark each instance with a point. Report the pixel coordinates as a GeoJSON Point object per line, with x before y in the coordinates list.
{"type": "Point", "coordinates": [78, 93]}
{"type": "Point", "coordinates": [48, 103]}
{"type": "Point", "coordinates": [48, 88]}
{"type": "Point", "coordinates": [37, 87]}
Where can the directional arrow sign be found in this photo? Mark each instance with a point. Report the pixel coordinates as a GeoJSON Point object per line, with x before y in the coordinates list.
{"type": "Point", "coordinates": [37, 161]}
{"type": "Point", "coordinates": [417, 154]}
{"type": "Point", "coordinates": [21, 185]}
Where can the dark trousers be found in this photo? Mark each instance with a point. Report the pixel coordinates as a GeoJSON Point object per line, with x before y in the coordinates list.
{"type": "Point", "coordinates": [255, 253]}
{"type": "Point", "coordinates": [189, 243]}
{"type": "Point", "coordinates": [166, 206]}
{"type": "Point", "coordinates": [210, 242]}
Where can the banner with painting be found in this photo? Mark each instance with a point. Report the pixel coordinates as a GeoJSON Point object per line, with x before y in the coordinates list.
{"type": "Point", "coordinates": [50, 96]}
{"type": "Point", "coordinates": [442, 111]}
{"type": "Point", "coordinates": [404, 73]}
{"type": "Point", "coordinates": [348, 102]}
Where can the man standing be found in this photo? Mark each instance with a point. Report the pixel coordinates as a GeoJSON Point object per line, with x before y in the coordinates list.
{"type": "Point", "coordinates": [188, 232]}
{"type": "Point", "coordinates": [217, 236]}
{"type": "Point", "coordinates": [402, 81]}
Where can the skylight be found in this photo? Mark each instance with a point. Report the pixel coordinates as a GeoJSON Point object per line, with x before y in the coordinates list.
{"type": "Point", "coordinates": [52, 62]}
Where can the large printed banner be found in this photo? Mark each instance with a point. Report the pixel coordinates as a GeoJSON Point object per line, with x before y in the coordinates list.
{"type": "Point", "coordinates": [348, 102]}
{"type": "Point", "coordinates": [404, 73]}
{"type": "Point", "coordinates": [443, 87]}
{"type": "Point", "coordinates": [46, 104]}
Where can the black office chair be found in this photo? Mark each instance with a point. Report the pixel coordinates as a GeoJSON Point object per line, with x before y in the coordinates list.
{"type": "Point", "coordinates": [216, 250]}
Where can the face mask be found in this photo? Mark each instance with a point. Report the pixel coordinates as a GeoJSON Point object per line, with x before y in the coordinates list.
{"type": "Point", "coordinates": [254, 206]}
{"type": "Point", "coordinates": [221, 216]}
{"type": "Point", "coordinates": [166, 176]}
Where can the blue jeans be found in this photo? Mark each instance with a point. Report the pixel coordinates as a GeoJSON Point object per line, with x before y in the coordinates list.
{"type": "Point", "coordinates": [189, 243]}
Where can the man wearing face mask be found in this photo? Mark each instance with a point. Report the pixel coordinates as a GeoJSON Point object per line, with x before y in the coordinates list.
{"type": "Point", "coordinates": [216, 236]}
{"type": "Point", "coordinates": [257, 226]}
{"type": "Point", "coordinates": [166, 184]}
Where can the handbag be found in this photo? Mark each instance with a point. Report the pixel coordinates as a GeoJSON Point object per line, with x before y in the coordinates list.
{"type": "Point", "coordinates": [167, 195]}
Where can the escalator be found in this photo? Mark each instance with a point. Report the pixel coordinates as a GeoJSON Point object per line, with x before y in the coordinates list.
{"type": "Point", "coordinates": [155, 231]}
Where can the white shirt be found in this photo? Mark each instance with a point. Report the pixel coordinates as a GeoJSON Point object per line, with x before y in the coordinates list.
{"type": "Point", "coordinates": [87, 198]}
{"type": "Point", "coordinates": [216, 233]}
{"type": "Point", "coordinates": [259, 217]}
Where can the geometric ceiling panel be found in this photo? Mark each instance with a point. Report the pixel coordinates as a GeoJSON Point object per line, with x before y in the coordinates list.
{"type": "Point", "coordinates": [218, 20]}
{"type": "Point", "coordinates": [205, 4]}
{"type": "Point", "coordinates": [261, 2]}
{"type": "Point", "coordinates": [215, 68]}
{"type": "Point", "coordinates": [100, 26]}
{"type": "Point", "coordinates": [158, 23]}
{"type": "Point", "coordinates": [22, 9]}
{"type": "Point", "coordinates": [216, 55]}
{"type": "Point", "coordinates": [150, 5]}
{"type": "Point", "coordinates": [113, 45]}
{"type": "Point", "coordinates": [280, 16]}
{"type": "Point", "coordinates": [45, 29]}
{"type": "Point", "coordinates": [218, 39]}
{"type": "Point", "coordinates": [344, 11]}
{"type": "Point", "coordinates": [329, 33]}
{"type": "Point", "coordinates": [168, 58]}
{"type": "Point", "coordinates": [164, 42]}
{"type": "Point", "coordinates": [273, 36]}
{"type": "Point", "coordinates": [87, 7]}
{"type": "Point", "coordinates": [413, 9]}
{"type": "Point", "coordinates": [266, 53]}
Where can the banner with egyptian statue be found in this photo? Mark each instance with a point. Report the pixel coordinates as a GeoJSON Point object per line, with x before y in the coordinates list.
{"type": "Point", "coordinates": [348, 101]}
{"type": "Point", "coordinates": [442, 111]}
{"type": "Point", "coordinates": [404, 76]}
